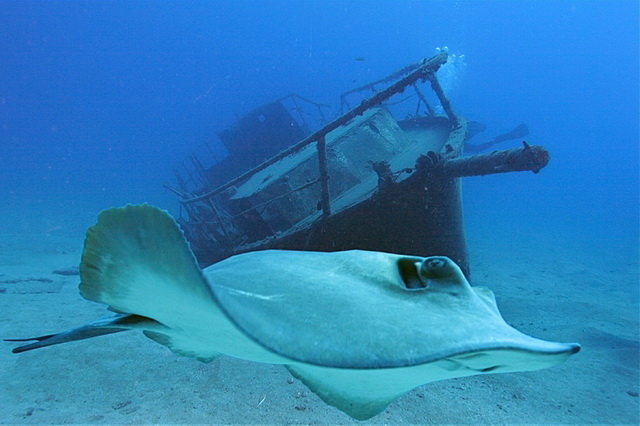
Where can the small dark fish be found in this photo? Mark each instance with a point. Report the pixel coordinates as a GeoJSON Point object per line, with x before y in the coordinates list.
{"type": "Point", "coordinates": [67, 272]}
{"type": "Point", "coordinates": [359, 58]}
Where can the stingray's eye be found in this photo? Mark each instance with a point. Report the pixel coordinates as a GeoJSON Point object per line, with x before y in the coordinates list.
{"type": "Point", "coordinates": [423, 273]}
{"type": "Point", "coordinates": [409, 270]}
{"type": "Point", "coordinates": [435, 267]}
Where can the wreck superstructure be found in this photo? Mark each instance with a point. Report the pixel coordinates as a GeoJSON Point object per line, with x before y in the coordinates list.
{"type": "Point", "coordinates": [365, 180]}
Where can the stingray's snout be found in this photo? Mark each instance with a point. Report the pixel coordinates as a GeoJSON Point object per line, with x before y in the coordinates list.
{"type": "Point", "coordinates": [573, 348]}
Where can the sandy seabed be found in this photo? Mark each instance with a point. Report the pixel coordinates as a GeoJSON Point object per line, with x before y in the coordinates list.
{"type": "Point", "coordinates": [549, 286]}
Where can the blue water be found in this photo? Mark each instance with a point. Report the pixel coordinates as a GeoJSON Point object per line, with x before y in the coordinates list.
{"type": "Point", "coordinates": [100, 100]}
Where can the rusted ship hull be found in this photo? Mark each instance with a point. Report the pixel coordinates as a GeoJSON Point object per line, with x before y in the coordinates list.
{"type": "Point", "coordinates": [416, 216]}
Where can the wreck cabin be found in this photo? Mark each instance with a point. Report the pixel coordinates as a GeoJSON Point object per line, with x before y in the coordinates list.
{"type": "Point", "coordinates": [365, 180]}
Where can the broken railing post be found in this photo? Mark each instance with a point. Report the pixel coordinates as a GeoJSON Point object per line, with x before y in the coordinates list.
{"type": "Point", "coordinates": [444, 102]}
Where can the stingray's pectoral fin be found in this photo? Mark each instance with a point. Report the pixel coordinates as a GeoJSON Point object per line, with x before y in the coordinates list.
{"type": "Point", "coordinates": [359, 393]}
{"type": "Point", "coordinates": [363, 393]}
{"type": "Point", "coordinates": [183, 345]}
{"type": "Point", "coordinates": [96, 328]}
{"type": "Point", "coordinates": [136, 261]}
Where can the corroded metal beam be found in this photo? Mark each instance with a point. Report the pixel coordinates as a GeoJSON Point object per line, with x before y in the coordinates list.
{"type": "Point", "coordinates": [528, 158]}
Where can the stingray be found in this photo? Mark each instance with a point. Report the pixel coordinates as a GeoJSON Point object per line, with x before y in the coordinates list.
{"type": "Point", "coordinates": [359, 328]}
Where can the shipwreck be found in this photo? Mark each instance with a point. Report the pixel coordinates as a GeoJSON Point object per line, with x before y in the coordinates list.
{"type": "Point", "coordinates": [364, 180]}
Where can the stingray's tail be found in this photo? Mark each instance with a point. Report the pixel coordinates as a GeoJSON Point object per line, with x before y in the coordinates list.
{"type": "Point", "coordinates": [137, 262]}
{"type": "Point", "coordinates": [100, 327]}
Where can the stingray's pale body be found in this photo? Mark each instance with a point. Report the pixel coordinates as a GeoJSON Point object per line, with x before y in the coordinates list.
{"type": "Point", "coordinates": [358, 328]}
